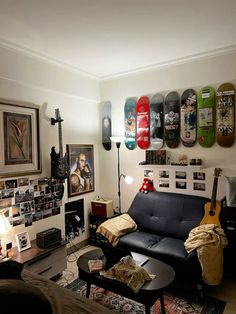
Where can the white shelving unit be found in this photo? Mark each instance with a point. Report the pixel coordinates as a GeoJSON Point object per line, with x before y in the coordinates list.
{"type": "Point", "coordinates": [174, 167]}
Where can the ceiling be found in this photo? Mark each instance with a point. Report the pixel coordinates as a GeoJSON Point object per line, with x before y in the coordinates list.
{"type": "Point", "coordinates": [105, 38]}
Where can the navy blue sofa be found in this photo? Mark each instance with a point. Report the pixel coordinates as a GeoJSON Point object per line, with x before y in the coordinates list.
{"type": "Point", "coordinates": [164, 221]}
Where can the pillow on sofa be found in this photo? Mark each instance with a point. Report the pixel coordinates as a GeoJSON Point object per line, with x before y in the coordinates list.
{"type": "Point", "coordinates": [115, 227]}
{"type": "Point", "coordinates": [10, 270]}
{"type": "Point", "coordinates": [20, 297]}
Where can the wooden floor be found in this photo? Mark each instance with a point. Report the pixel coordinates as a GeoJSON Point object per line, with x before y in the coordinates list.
{"type": "Point", "coordinates": [226, 291]}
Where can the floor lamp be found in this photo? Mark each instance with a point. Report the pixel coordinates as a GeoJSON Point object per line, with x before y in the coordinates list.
{"type": "Point", "coordinates": [118, 140]}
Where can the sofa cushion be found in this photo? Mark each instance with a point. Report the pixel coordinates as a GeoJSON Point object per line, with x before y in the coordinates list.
{"type": "Point", "coordinates": [167, 214]}
{"type": "Point", "coordinates": [138, 241]}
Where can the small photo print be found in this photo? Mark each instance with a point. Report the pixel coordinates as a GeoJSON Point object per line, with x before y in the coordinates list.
{"type": "Point", "coordinates": [7, 193]}
{"type": "Point", "coordinates": [164, 184]}
{"type": "Point", "coordinates": [180, 185]}
{"type": "Point", "coordinates": [2, 185]}
{"type": "Point", "coordinates": [199, 186]}
{"type": "Point", "coordinates": [11, 184]}
{"type": "Point", "coordinates": [180, 175]}
{"type": "Point", "coordinates": [148, 174]}
{"type": "Point", "coordinates": [23, 181]}
{"type": "Point", "coordinates": [163, 174]}
{"type": "Point", "coordinates": [199, 176]}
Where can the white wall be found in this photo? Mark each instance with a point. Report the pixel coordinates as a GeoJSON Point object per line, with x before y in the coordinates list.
{"type": "Point", "coordinates": [196, 74]}
{"type": "Point", "coordinates": [23, 78]}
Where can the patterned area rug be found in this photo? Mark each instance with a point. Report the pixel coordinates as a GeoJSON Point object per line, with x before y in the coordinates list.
{"type": "Point", "coordinates": [181, 304]}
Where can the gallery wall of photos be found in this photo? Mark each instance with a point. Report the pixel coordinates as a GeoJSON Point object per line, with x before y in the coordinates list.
{"type": "Point", "coordinates": [26, 201]}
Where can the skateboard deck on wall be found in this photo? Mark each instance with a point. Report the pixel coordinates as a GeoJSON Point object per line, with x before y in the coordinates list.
{"type": "Point", "coordinates": [157, 121]}
{"type": "Point", "coordinates": [172, 119]}
{"type": "Point", "coordinates": [130, 123]}
{"type": "Point", "coordinates": [188, 118]}
{"type": "Point", "coordinates": [206, 117]}
{"type": "Point", "coordinates": [143, 130]}
{"type": "Point", "coordinates": [106, 125]}
{"type": "Point", "coordinates": [225, 108]}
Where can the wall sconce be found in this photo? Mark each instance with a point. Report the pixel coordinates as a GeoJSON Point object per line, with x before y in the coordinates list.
{"type": "Point", "coordinates": [118, 140]}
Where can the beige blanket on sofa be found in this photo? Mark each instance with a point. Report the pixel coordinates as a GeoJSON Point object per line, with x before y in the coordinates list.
{"type": "Point", "coordinates": [209, 241]}
{"type": "Point", "coordinates": [115, 227]}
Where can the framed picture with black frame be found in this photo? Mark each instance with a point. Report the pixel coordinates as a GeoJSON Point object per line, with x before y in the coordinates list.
{"type": "Point", "coordinates": [81, 165]}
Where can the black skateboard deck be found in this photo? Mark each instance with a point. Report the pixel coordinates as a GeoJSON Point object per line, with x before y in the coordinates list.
{"type": "Point", "coordinates": [225, 120]}
{"type": "Point", "coordinates": [106, 125]}
{"type": "Point", "coordinates": [157, 121]}
{"type": "Point", "coordinates": [172, 119]}
{"type": "Point", "coordinates": [188, 118]}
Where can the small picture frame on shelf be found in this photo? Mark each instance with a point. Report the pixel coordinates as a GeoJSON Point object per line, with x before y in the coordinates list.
{"type": "Point", "coordinates": [23, 241]}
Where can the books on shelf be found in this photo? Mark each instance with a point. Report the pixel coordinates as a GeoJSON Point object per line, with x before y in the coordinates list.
{"type": "Point", "coordinates": [95, 265]}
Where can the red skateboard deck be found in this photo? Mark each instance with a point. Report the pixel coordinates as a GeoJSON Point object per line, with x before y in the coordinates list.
{"type": "Point", "coordinates": [172, 119]}
{"type": "Point", "coordinates": [157, 121]}
{"type": "Point", "coordinates": [106, 125]}
{"type": "Point", "coordinates": [143, 130]}
{"type": "Point", "coordinates": [225, 108]}
{"type": "Point", "coordinates": [188, 118]}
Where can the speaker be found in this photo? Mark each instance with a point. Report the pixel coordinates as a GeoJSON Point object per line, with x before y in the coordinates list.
{"type": "Point", "coordinates": [48, 238]}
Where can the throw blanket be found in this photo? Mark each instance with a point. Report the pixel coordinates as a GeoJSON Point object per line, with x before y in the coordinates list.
{"type": "Point", "coordinates": [115, 227]}
{"type": "Point", "coordinates": [128, 272]}
{"type": "Point", "coordinates": [209, 241]}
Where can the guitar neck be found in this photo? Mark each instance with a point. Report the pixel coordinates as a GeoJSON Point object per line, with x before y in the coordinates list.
{"type": "Point", "coordinates": [60, 139]}
{"type": "Point", "coordinates": [213, 196]}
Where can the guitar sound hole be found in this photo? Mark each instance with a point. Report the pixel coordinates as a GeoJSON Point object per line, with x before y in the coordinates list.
{"type": "Point", "coordinates": [211, 212]}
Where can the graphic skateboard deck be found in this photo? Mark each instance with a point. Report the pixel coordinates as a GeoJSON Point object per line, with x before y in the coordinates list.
{"type": "Point", "coordinates": [143, 130]}
{"type": "Point", "coordinates": [172, 119]}
{"type": "Point", "coordinates": [206, 117]}
{"type": "Point", "coordinates": [130, 123]}
{"type": "Point", "coordinates": [225, 108]}
{"type": "Point", "coordinates": [157, 121]}
{"type": "Point", "coordinates": [188, 118]}
{"type": "Point", "coordinates": [106, 125]}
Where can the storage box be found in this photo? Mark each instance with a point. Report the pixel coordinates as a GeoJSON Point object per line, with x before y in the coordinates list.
{"type": "Point", "coordinates": [102, 208]}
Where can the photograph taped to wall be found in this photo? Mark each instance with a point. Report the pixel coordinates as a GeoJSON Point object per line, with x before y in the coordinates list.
{"type": "Point", "coordinates": [199, 186]}
{"type": "Point", "coordinates": [19, 138]}
{"type": "Point", "coordinates": [164, 174]}
{"type": "Point", "coordinates": [74, 219]}
{"type": "Point", "coordinates": [181, 185]}
{"type": "Point", "coordinates": [199, 176]}
{"type": "Point", "coordinates": [164, 184]}
{"type": "Point", "coordinates": [180, 174]}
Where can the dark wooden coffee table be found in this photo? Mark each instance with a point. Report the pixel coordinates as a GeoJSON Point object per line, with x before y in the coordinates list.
{"type": "Point", "coordinates": [147, 295]}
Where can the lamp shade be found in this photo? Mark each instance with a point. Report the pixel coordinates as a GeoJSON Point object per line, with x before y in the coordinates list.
{"type": "Point", "coordinates": [128, 179]}
{"type": "Point", "coordinates": [4, 224]}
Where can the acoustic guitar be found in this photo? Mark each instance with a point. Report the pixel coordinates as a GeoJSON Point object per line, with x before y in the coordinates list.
{"type": "Point", "coordinates": [212, 209]}
{"type": "Point", "coordinates": [59, 165]}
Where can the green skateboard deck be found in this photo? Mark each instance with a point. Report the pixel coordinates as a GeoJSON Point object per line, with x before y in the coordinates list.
{"type": "Point", "coordinates": [130, 123]}
{"type": "Point", "coordinates": [172, 119]}
{"type": "Point", "coordinates": [143, 129]}
{"type": "Point", "coordinates": [157, 121]}
{"type": "Point", "coordinates": [188, 118]}
{"type": "Point", "coordinates": [225, 108]}
{"type": "Point", "coordinates": [206, 117]}
{"type": "Point", "coordinates": [106, 125]}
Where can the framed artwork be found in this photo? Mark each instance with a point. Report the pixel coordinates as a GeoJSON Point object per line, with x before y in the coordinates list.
{"type": "Point", "coordinates": [81, 164]}
{"type": "Point", "coordinates": [19, 139]}
{"type": "Point", "coordinates": [23, 241]}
